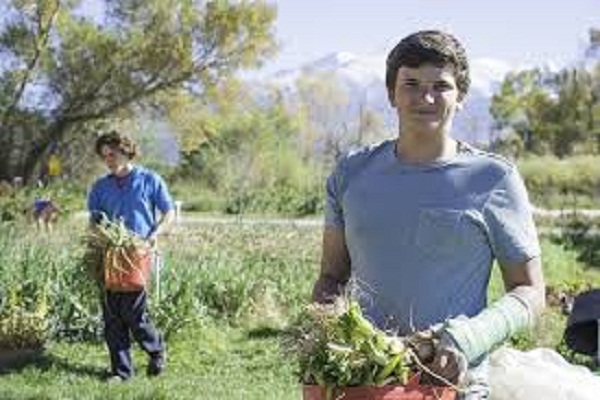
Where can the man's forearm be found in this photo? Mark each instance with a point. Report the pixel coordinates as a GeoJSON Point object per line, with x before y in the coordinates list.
{"type": "Point", "coordinates": [335, 267]}
{"type": "Point", "coordinates": [534, 297]}
{"type": "Point", "coordinates": [516, 310]}
{"type": "Point", "coordinates": [512, 313]}
{"type": "Point", "coordinates": [164, 222]}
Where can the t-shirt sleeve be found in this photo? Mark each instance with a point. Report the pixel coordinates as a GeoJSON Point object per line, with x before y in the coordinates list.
{"type": "Point", "coordinates": [509, 218]}
{"type": "Point", "coordinates": [163, 199]}
{"type": "Point", "coordinates": [334, 215]}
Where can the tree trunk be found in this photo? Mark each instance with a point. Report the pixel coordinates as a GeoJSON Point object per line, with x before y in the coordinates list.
{"type": "Point", "coordinates": [13, 146]}
{"type": "Point", "coordinates": [22, 148]}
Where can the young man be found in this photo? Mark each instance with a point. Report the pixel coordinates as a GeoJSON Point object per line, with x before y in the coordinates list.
{"type": "Point", "coordinates": [134, 194]}
{"type": "Point", "coordinates": [418, 221]}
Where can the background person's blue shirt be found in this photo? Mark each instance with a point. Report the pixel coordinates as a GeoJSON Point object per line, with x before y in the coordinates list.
{"type": "Point", "coordinates": [134, 198]}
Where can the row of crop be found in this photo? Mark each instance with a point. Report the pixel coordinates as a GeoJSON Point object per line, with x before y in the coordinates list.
{"type": "Point", "coordinates": [246, 274]}
{"type": "Point", "coordinates": [562, 183]}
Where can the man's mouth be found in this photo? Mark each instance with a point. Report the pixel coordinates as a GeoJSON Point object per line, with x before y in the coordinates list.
{"type": "Point", "coordinates": [426, 114]}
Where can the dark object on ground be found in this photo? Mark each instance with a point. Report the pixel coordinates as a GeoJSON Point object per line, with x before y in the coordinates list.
{"type": "Point", "coordinates": [157, 364]}
{"type": "Point", "coordinates": [581, 334]}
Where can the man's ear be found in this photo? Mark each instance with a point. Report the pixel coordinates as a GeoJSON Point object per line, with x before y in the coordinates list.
{"type": "Point", "coordinates": [459, 105]}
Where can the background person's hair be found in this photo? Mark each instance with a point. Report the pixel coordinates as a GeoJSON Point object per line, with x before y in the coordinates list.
{"type": "Point", "coordinates": [117, 141]}
{"type": "Point", "coordinates": [428, 47]}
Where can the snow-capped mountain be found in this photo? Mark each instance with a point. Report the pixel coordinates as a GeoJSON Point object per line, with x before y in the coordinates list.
{"type": "Point", "coordinates": [591, 52]}
{"type": "Point", "coordinates": [363, 78]}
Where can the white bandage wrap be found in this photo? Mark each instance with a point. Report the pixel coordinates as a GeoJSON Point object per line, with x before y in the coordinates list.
{"type": "Point", "coordinates": [476, 336]}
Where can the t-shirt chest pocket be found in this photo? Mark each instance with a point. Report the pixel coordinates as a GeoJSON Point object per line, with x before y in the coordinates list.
{"type": "Point", "coordinates": [440, 231]}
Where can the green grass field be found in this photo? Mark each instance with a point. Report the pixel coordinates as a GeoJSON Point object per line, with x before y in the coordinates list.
{"type": "Point", "coordinates": [207, 361]}
{"type": "Point", "coordinates": [228, 292]}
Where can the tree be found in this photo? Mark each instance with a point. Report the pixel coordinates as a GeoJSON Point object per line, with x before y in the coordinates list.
{"type": "Point", "coordinates": [248, 158]}
{"type": "Point", "coordinates": [370, 127]}
{"type": "Point", "coordinates": [573, 111]}
{"type": "Point", "coordinates": [557, 112]}
{"type": "Point", "coordinates": [68, 72]}
{"type": "Point", "coordinates": [593, 107]}
{"type": "Point", "coordinates": [522, 99]}
{"type": "Point", "coordinates": [323, 104]}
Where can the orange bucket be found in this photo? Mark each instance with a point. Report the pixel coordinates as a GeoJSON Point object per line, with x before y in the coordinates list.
{"type": "Point", "coordinates": [388, 392]}
{"type": "Point", "coordinates": [127, 270]}
{"type": "Point", "coordinates": [413, 390]}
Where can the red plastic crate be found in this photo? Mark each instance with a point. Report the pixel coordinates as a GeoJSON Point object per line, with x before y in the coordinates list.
{"type": "Point", "coordinates": [388, 392]}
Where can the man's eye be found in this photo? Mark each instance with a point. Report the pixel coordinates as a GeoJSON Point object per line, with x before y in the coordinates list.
{"type": "Point", "coordinates": [442, 86]}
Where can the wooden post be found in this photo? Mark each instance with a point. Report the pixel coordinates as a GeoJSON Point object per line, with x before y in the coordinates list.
{"type": "Point", "coordinates": [157, 270]}
{"type": "Point", "coordinates": [178, 204]}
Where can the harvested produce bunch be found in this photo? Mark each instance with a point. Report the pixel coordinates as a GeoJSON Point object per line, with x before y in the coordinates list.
{"type": "Point", "coordinates": [336, 347]}
{"type": "Point", "coordinates": [116, 255]}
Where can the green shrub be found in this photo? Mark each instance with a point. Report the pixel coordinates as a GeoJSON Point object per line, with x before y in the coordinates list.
{"type": "Point", "coordinates": [558, 183]}
{"type": "Point", "coordinates": [23, 317]}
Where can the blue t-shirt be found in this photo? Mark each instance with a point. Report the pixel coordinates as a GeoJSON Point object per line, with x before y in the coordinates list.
{"type": "Point", "coordinates": [134, 198]}
{"type": "Point", "coordinates": [422, 238]}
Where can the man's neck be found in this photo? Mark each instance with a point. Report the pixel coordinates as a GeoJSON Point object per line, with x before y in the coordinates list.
{"type": "Point", "coordinates": [425, 150]}
{"type": "Point", "coordinates": [123, 171]}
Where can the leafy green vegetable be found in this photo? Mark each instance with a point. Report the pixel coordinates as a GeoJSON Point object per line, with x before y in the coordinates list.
{"type": "Point", "coordinates": [337, 346]}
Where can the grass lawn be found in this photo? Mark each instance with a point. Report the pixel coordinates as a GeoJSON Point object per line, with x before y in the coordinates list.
{"type": "Point", "coordinates": [209, 361]}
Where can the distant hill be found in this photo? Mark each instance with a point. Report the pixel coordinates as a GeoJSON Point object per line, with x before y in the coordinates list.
{"type": "Point", "coordinates": [364, 80]}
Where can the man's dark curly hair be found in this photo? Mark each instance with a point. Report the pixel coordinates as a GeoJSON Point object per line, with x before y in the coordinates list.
{"type": "Point", "coordinates": [117, 141]}
{"type": "Point", "coordinates": [429, 47]}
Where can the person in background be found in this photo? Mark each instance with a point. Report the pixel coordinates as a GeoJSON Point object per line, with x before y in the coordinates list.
{"type": "Point", "coordinates": [51, 169]}
{"type": "Point", "coordinates": [45, 213]}
{"type": "Point", "coordinates": [417, 222]}
{"type": "Point", "coordinates": [54, 167]}
{"type": "Point", "coordinates": [136, 195]}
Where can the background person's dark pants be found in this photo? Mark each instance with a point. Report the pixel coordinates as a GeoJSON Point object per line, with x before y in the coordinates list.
{"type": "Point", "coordinates": [126, 312]}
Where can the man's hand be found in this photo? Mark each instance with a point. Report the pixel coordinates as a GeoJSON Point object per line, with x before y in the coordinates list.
{"type": "Point", "coordinates": [443, 362]}
{"type": "Point", "coordinates": [162, 226]}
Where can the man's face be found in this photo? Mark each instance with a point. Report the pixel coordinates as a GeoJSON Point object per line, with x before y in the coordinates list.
{"type": "Point", "coordinates": [114, 159]}
{"type": "Point", "coordinates": [426, 99]}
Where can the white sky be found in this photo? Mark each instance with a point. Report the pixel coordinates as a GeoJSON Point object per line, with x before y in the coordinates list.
{"type": "Point", "coordinates": [516, 31]}
{"type": "Point", "coordinates": [520, 32]}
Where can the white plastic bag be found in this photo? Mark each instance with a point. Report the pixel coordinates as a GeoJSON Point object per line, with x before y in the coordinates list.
{"type": "Point", "coordinates": [539, 374]}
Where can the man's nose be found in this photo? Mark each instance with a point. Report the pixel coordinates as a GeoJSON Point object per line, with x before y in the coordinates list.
{"type": "Point", "coordinates": [428, 96]}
